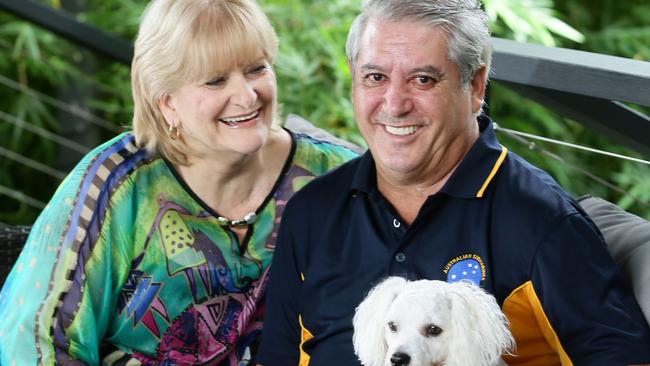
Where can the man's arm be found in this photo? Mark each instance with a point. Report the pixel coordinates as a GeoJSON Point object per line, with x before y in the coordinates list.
{"type": "Point", "coordinates": [585, 299]}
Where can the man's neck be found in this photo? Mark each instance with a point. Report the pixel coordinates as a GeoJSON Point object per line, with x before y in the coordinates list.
{"type": "Point", "coordinates": [408, 199]}
{"type": "Point", "coordinates": [407, 193]}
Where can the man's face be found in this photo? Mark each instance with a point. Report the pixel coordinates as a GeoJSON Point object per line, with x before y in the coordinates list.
{"type": "Point", "coordinates": [408, 101]}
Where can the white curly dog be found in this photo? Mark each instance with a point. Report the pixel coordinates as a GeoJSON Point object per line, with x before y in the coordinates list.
{"type": "Point", "coordinates": [430, 323]}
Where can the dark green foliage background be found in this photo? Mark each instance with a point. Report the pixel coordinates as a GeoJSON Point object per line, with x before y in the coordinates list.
{"type": "Point", "coordinates": [314, 82]}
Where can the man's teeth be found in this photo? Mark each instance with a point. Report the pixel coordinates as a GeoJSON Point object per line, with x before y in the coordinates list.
{"type": "Point", "coordinates": [242, 118]}
{"type": "Point", "coordinates": [401, 131]}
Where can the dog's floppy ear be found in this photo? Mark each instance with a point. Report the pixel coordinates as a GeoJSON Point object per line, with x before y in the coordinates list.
{"type": "Point", "coordinates": [369, 321]}
{"type": "Point", "coordinates": [480, 327]}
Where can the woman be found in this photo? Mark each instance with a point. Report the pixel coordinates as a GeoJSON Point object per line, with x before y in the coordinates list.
{"type": "Point", "coordinates": [156, 248]}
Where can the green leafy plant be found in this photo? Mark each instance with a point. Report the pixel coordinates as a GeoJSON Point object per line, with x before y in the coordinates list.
{"type": "Point", "coordinates": [313, 81]}
{"type": "Point", "coordinates": [615, 28]}
{"type": "Point", "coordinates": [529, 21]}
{"type": "Point", "coordinates": [312, 67]}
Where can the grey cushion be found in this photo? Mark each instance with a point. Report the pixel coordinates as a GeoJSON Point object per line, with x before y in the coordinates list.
{"type": "Point", "coordinates": [298, 124]}
{"type": "Point", "coordinates": [628, 240]}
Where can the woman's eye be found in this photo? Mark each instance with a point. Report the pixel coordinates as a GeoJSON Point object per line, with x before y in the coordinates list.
{"type": "Point", "coordinates": [216, 82]}
{"type": "Point", "coordinates": [259, 69]}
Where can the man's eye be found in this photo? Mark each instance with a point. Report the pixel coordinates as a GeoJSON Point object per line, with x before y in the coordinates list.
{"type": "Point", "coordinates": [374, 77]}
{"type": "Point", "coordinates": [423, 79]}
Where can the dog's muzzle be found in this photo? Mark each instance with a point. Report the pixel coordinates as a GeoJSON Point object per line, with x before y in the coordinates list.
{"type": "Point", "coordinates": [400, 359]}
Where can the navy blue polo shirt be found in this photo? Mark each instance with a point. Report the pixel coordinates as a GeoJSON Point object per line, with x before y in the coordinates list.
{"type": "Point", "coordinates": [498, 221]}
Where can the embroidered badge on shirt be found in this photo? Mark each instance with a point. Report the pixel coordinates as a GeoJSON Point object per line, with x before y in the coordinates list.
{"type": "Point", "coordinates": [466, 267]}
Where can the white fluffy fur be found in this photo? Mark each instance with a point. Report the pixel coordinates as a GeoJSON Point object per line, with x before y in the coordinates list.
{"type": "Point", "coordinates": [474, 330]}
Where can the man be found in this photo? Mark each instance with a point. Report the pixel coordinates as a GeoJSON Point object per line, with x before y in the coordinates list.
{"type": "Point", "coordinates": [437, 197]}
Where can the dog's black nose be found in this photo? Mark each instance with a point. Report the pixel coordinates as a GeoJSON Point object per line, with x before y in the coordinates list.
{"type": "Point", "coordinates": [400, 359]}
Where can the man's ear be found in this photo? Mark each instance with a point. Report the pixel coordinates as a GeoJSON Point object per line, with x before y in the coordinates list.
{"type": "Point", "coordinates": [351, 69]}
{"type": "Point", "coordinates": [166, 105]}
{"type": "Point", "coordinates": [477, 88]}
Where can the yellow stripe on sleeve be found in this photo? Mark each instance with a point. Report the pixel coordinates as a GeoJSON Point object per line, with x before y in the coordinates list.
{"type": "Point", "coordinates": [537, 342]}
{"type": "Point", "coordinates": [305, 335]}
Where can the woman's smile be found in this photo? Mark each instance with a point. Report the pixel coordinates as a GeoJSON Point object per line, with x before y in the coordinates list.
{"type": "Point", "coordinates": [242, 120]}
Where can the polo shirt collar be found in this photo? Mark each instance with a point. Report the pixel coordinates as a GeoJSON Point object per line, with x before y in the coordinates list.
{"type": "Point", "coordinates": [470, 179]}
{"type": "Point", "coordinates": [365, 176]}
{"type": "Point", "coordinates": [479, 166]}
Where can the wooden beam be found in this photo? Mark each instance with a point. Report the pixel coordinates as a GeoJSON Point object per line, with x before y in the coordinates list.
{"type": "Point", "coordinates": [578, 72]}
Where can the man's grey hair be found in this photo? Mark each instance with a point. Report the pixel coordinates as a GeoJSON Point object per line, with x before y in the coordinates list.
{"type": "Point", "coordinates": [465, 23]}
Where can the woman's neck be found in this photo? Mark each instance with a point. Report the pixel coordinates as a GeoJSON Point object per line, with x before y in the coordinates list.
{"type": "Point", "coordinates": [237, 184]}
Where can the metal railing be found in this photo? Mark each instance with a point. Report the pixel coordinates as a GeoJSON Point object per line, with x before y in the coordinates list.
{"type": "Point", "coordinates": [586, 87]}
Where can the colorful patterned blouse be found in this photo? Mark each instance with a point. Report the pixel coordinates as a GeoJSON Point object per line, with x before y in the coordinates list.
{"type": "Point", "coordinates": [127, 266]}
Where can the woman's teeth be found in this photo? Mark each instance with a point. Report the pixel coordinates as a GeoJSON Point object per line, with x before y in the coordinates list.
{"type": "Point", "coordinates": [234, 120]}
{"type": "Point", "coordinates": [401, 131]}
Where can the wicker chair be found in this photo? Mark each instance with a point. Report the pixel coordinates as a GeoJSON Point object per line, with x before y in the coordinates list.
{"type": "Point", "coordinates": [12, 239]}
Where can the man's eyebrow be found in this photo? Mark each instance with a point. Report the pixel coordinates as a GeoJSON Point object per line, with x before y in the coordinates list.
{"type": "Point", "coordinates": [371, 67]}
{"type": "Point", "coordinates": [428, 70]}
{"type": "Point", "coordinates": [424, 69]}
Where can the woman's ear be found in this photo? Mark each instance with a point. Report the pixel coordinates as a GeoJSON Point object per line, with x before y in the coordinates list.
{"type": "Point", "coordinates": [369, 321]}
{"type": "Point", "coordinates": [168, 110]}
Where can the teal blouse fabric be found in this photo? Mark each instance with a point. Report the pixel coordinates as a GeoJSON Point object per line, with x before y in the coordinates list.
{"type": "Point", "coordinates": [126, 264]}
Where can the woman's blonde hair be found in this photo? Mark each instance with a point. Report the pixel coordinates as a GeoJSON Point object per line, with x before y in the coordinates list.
{"type": "Point", "coordinates": [181, 41]}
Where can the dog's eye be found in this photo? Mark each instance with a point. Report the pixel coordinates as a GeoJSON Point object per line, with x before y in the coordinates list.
{"type": "Point", "coordinates": [392, 327]}
{"type": "Point", "coordinates": [432, 330]}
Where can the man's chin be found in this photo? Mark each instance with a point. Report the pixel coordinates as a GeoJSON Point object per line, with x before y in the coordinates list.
{"type": "Point", "coordinates": [396, 166]}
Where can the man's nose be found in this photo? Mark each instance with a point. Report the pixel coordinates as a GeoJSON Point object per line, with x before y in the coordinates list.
{"type": "Point", "coordinates": [397, 102]}
{"type": "Point", "coordinates": [400, 359]}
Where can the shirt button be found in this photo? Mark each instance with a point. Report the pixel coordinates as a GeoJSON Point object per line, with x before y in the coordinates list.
{"type": "Point", "coordinates": [396, 223]}
{"type": "Point", "coordinates": [400, 257]}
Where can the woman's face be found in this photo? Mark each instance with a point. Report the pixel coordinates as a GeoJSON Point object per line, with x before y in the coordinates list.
{"type": "Point", "coordinates": [230, 112]}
